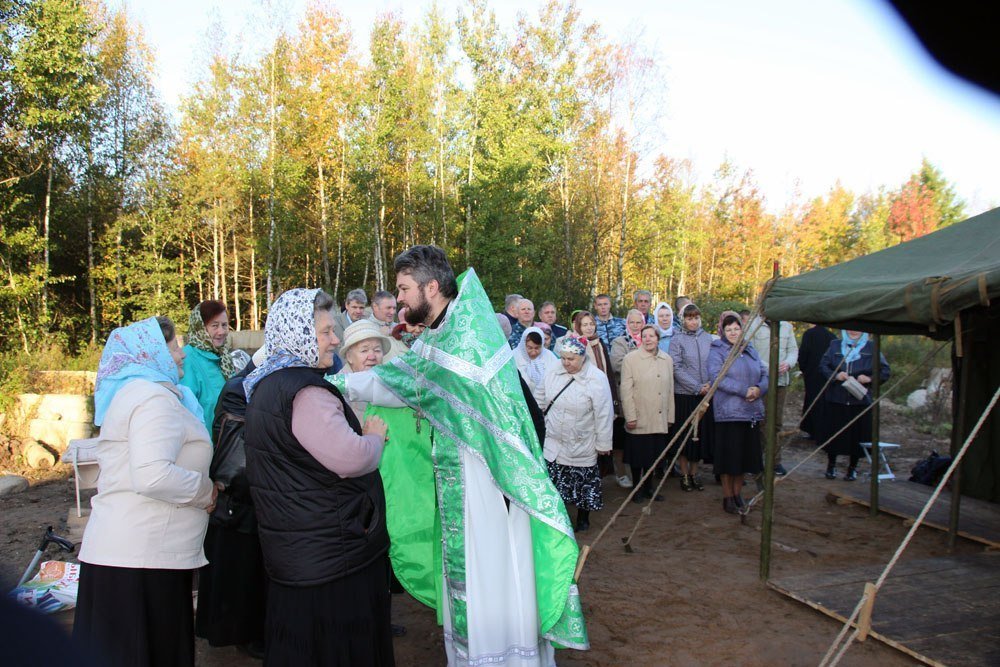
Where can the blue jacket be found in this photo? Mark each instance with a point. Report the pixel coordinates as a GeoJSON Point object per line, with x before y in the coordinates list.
{"type": "Point", "coordinates": [835, 393]}
{"type": "Point", "coordinates": [730, 401]}
{"type": "Point", "coordinates": [689, 352]}
{"type": "Point", "coordinates": [608, 331]}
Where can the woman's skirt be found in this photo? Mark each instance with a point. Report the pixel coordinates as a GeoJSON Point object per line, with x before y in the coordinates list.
{"type": "Point", "coordinates": [135, 617]}
{"type": "Point", "coordinates": [578, 485]}
{"type": "Point", "coordinates": [343, 622]}
{"type": "Point", "coordinates": [232, 589]}
{"type": "Point", "coordinates": [701, 449]}
{"type": "Point", "coordinates": [834, 417]}
{"type": "Point", "coordinates": [642, 449]}
{"type": "Point", "coordinates": [812, 420]}
{"type": "Point", "coordinates": [737, 448]}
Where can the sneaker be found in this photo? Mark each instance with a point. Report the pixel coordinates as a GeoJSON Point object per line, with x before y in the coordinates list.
{"type": "Point", "coordinates": [625, 482]}
{"type": "Point", "coordinates": [779, 471]}
{"type": "Point", "coordinates": [729, 505]}
{"type": "Point", "coordinates": [696, 483]}
{"type": "Point", "coordinates": [851, 475]}
{"type": "Point", "coordinates": [686, 483]}
{"type": "Point", "coordinates": [831, 473]}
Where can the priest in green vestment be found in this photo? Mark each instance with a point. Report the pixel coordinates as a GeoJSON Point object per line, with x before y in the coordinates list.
{"type": "Point", "coordinates": [506, 552]}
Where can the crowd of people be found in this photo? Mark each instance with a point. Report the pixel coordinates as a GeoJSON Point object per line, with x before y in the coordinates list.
{"type": "Point", "coordinates": [369, 449]}
{"type": "Point", "coordinates": [658, 364]}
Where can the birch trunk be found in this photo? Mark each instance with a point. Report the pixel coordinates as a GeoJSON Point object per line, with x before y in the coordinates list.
{"type": "Point", "coordinates": [45, 227]}
{"type": "Point", "coordinates": [236, 284]}
{"type": "Point", "coordinates": [322, 224]}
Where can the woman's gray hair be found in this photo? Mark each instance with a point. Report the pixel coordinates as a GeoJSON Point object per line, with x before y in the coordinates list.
{"type": "Point", "coordinates": [166, 327]}
{"type": "Point", "coordinates": [323, 301]}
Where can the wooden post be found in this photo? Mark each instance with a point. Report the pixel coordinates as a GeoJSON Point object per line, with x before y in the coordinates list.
{"type": "Point", "coordinates": [771, 425]}
{"type": "Point", "coordinates": [876, 390]}
{"type": "Point", "coordinates": [958, 429]}
{"type": "Point", "coordinates": [581, 559]}
{"type": "Point", "coordinates": [865, 617]}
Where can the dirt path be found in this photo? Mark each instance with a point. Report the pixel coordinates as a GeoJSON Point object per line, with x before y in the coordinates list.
{"type": "Point", "coordinates": [689, 595]}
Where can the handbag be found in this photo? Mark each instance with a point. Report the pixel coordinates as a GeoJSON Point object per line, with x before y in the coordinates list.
{"type": "Point", "coordinates": [545, 412]}
{"type": "Point", "coordinates": [854, 388]}
{"type": "Point", "coordinates": [229, 458]}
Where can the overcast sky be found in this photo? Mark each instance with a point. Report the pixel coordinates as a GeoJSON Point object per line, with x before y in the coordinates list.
{"type": "Point", "coordinates": [804, 93]}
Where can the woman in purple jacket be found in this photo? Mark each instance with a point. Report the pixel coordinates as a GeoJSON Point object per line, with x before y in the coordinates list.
{"type": "Point", "coordinates": [739, 412]}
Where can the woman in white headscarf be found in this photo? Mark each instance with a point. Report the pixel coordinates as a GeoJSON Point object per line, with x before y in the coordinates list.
{"type": "Point", "coordinates": [663, 320]}
{"type": "Point", "coordinates": [531, 357]}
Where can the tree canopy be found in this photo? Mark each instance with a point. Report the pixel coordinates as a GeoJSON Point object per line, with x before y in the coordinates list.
{"type": "Point", "coordinates": [529, 154]}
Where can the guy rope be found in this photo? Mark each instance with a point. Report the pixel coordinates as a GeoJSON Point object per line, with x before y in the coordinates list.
{"type": "Point", "coordinates": [898, 383]}
{"type": "Point", "coordinates": [863, 609]}
{"type": "Point", "coordinates": [686, 429]}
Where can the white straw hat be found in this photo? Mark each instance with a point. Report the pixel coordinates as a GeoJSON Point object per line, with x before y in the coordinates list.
{"type": "Point", "coordinates": [363, 330]}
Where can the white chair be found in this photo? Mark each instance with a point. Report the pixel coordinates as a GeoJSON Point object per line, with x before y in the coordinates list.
{"type": "Point", "coordinates": [883, 449]}
{"type": "Point", "coordinates": [82, 454]}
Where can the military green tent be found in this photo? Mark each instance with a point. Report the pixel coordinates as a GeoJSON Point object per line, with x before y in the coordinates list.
{"type": "Point", "coordinates": [937, 285]}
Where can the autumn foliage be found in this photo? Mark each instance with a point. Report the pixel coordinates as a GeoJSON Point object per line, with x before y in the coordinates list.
{"type": "Point", "coordinates": [533, 154]}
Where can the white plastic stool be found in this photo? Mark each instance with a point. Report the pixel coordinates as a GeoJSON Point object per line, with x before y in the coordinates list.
{"type": "Point", "coordinates": [83, 455]}
{"type": "Point", "coordinates": [883, 460]}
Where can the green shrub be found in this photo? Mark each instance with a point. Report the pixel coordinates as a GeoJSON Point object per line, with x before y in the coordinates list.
{"type": "Point", "coordinates": [18, 370]}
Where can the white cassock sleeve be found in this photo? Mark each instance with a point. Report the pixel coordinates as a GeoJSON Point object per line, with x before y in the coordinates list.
{"type": "Point", "coordinates": [366, 387]}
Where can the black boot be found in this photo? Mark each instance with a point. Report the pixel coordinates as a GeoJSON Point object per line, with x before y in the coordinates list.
{"type": "Point", "coordinates": [582, 520]}
{"type": "Point", "coordinates": [831, 471]}
{"type": "Point", "coordinates": [851, 475]}
{"type": "Point", "coordinates": [686, 483]}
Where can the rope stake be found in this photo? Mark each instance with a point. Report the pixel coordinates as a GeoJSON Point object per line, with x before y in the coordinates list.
{"type": "Point", "coordinates": [838, 649]}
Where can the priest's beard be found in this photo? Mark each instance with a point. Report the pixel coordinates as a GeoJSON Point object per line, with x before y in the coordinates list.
{"type": "Point", "coordinates": [417, 313]}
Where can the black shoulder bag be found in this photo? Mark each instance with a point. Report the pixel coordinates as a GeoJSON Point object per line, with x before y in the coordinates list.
{"type": "Point", "coordinates": [545, 412]}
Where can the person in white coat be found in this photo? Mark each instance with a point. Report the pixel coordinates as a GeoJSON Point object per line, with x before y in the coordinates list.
{"type": "Point", "coordinates": [576, 400]}
{"type": "Point", "coordinates": [144, 537]}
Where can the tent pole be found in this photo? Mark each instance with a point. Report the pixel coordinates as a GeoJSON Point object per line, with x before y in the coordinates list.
{"type": "Point", "coordinates": [958, 429]}
{"type": "Point", "coordinates": [771, 425]}
{"type": "Point", "coordinates": [876, 390]}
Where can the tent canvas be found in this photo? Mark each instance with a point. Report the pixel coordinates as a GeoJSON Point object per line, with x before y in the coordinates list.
{"type": "Point", "coordinates": [917, 287]}
{"type": "Point", "coordinates": [921, 287]}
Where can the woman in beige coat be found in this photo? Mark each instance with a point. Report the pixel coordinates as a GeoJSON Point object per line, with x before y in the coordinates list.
{"type": "Point", "coordinates": [647, 394]}
{"type": "Point", "coordinates": [144, 538]}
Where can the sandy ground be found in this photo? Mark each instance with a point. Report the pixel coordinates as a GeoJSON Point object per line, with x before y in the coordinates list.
{"type": "Point", "coordinates": [690, 594]}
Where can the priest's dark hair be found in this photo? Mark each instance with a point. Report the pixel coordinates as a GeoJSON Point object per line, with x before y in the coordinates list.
{"type": "Point", "coordinates": [425, 263]}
